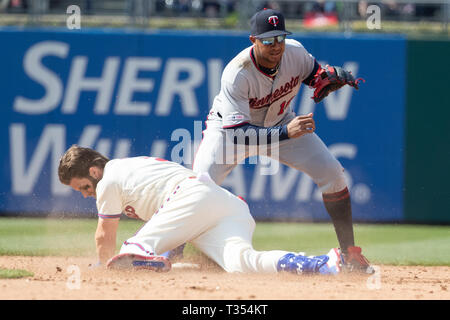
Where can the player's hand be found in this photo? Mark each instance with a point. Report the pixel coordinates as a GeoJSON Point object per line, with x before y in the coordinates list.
{"type": "Point", "coordinates": [301, 125]}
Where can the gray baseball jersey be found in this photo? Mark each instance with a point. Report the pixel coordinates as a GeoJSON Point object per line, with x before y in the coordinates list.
{"type": "Point", "coordinates": [249, 95]}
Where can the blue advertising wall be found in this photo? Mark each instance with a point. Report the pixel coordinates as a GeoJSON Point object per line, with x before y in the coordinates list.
{"type": "Point", "coordinates": [134, 93]}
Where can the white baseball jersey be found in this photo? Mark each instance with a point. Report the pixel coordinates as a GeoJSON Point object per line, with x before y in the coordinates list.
{"type": "Point", "coordinates": [215, 221]}
{"type": "Point", "coordinates": [178, 208]}
{"type": "Point", "coordinates": [248, 95]}
{"type": "Point", "coordinates": [137, 186]}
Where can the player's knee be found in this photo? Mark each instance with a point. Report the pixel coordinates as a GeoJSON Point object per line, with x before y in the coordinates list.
{"type": "Point", "coordinates": [335, 182]}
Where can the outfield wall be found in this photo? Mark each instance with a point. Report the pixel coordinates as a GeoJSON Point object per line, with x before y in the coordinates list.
{"type": "Point", "coordinates": [427, 155]}
{"type": "Point", "coordinates": [128, 93]}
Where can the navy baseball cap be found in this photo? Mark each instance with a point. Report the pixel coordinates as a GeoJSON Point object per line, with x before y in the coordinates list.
{"type": "Point", "coordinates": [267, 23]}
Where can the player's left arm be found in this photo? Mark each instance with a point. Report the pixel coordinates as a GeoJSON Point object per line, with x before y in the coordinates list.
{"type": "Point", "coordinates": [105, 238]}
{"type": "Point", "coordinates": [325, 80]}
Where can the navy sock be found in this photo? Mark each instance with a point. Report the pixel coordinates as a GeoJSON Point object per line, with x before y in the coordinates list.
{"type": "Point", "coordinates": [339, 208]}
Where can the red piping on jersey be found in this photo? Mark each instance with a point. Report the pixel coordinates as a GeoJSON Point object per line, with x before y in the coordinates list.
{"type": "Point", "coordinates": [256, 65]}
{"type": "Point", "coordinates": [234, 125]}
{"type": "Point", "coordinates": [242, 198]}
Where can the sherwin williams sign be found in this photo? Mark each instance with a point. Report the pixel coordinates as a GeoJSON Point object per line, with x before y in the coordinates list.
{"type": "Point", "coordinates": [131, 93]}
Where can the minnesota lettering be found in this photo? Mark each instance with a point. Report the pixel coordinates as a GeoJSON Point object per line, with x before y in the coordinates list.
{"type": "Point", "coordinates": [256, 103]}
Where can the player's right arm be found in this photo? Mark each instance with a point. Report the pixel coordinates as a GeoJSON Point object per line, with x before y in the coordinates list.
{"type": "Point", "coordinates": [300, 125]}
{"type": "Point", "coordinates": [109, 206]}
{"type": "Point", "coordinates": [105, 238]}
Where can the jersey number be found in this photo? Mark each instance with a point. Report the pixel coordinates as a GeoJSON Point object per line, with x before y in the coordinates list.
{"type": "Point", "coordinates": [130, 212]}
{"type": "Point", "coordinates": [284, 105]}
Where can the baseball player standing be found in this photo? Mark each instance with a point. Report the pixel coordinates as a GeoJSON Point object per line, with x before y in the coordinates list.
{"type": "Point", "coordinates": [253, 109]}
{"type": "Point", "coordinates": [178, 207]}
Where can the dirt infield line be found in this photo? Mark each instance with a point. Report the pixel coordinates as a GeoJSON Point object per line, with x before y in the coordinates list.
{"type": "Point", "coordinates": [71, 278]}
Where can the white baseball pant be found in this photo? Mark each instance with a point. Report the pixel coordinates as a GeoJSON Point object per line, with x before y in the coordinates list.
{"type": "Point", "coordinates": [214, 220]}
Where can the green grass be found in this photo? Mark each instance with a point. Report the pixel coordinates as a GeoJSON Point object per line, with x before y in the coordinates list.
{"type": "Point", "coordinates": [397, 244]}
{"type": "Point", "coordinates": [14, 273]}
{"type": "Point", "coordinates": [383, 244]}
{"type": "Point", "coordinates": [58, 237]}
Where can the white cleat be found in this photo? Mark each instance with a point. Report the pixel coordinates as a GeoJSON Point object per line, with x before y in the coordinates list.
{"type": "Point", "coordinates": [334, 263]}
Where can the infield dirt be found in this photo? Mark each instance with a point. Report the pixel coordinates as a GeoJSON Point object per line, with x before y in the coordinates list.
{"type": "Point", "coordinates": [72, 278]}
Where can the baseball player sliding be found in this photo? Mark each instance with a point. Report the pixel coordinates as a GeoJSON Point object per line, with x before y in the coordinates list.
{"type": "Point", "coordinates": [178, 207]}
{"type": "Point", "coordinates": [253, 109]}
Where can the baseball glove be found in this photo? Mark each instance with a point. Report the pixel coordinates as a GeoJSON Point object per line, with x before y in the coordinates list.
{"type": "Point", "coordinates": [330, 79]}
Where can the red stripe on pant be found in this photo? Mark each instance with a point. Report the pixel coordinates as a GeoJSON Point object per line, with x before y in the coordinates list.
{"type": "Point", "coordinates": [333, 197]}
{"type": "Point", "coordinates": [139, 246]}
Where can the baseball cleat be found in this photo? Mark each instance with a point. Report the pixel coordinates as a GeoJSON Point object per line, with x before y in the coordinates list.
{"type": "Point", "coordinates": [137, 262]}
{"type": "Point", "coordinates": [354, 261]}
